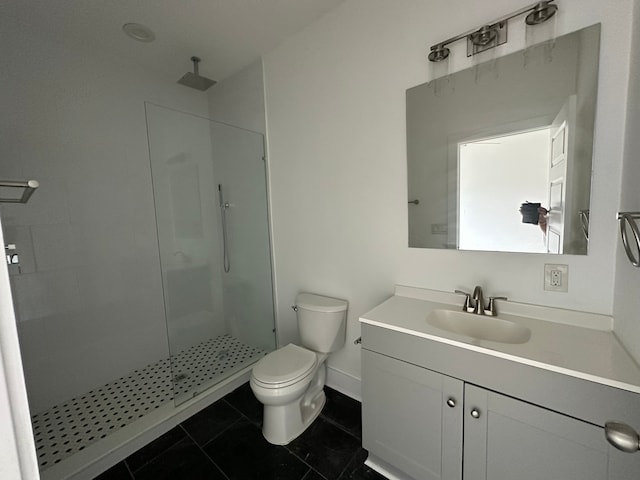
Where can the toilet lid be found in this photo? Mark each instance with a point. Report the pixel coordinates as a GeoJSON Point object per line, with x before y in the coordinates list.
{"type": "Point", "coordinates": [284, 365]}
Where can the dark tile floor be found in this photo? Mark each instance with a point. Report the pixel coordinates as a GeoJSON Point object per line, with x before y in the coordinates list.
{"type": "Point", "coordinates": [224, 441]}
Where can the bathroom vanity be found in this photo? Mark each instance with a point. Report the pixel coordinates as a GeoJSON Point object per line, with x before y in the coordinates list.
{"type": "Point", "coordinates": [437, 404]}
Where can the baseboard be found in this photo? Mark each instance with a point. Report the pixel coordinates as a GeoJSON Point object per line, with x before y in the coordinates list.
{"type": "Point", "coordinates": [344, 383]}
{"type": "Point", "coordinates": [383, 468]}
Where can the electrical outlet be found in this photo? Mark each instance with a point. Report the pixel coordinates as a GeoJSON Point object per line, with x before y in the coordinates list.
{"type": "Point", "coordinates": [556, 277]}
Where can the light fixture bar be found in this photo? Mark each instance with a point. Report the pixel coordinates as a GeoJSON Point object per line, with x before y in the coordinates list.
{"type": "Point", "coordinates": [538, 12]}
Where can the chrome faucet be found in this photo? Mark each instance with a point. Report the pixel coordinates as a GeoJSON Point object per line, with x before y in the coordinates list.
{"type": "Point", "coordinates": [478, 299]}
{"type": "Point", "coordinates": [474, 303]}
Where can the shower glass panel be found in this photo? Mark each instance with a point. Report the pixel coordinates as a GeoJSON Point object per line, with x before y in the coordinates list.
{"type": "Point", "coordinates": [217, 322]}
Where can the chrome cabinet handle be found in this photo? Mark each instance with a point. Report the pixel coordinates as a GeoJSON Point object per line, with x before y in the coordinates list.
{"type": "Point", "coordinates": [622, 436]}
{"type": "Point", "coordinates": [451, 402]}
{"type": "Point", "coordinates": [475, 413]}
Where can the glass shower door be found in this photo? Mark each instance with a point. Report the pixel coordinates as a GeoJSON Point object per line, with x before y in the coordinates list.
{"type": "Point", "coordinates": [204, 172]}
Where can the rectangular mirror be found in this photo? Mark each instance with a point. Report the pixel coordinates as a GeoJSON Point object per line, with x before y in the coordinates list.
{"type": "Point", "coordinates": [492, 148]}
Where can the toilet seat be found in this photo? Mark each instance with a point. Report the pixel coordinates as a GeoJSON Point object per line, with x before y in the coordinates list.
{"type": "Point", "coordinates": [284, 367]}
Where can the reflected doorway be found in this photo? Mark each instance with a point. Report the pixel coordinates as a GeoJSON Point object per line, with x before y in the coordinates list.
{"type": "Point", "coordinates": [517, 166]}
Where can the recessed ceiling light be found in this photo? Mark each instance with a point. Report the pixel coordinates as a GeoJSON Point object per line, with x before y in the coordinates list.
{"type": "Point", "coordinates": [139, 32]}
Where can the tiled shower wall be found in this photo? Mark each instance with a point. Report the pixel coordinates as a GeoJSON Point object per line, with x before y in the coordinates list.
{"type": "Point", "coordinates": [89, 294]}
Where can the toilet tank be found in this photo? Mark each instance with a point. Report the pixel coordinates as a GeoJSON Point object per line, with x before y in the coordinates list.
{"type": "Point", "coordinates": [322, 322]}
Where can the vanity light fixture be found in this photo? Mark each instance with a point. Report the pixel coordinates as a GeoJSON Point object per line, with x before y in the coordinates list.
{"type": "Point", "coordinates": [494, 33]}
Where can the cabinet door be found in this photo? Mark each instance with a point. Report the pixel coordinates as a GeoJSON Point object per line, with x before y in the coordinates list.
{"type": "Point", "coordinates": [407, 421]}
{"type": "Point", "coordinates": [508, 439]}
{"type": "Point", "coordinates": [623, 465]}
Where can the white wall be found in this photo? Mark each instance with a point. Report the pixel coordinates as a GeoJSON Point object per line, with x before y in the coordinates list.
{"type": "Point", "coordinates": [239, 99]}
{"type": "Point", "coordinates": [17, 446]}
{"type": "Point", "coordinates": [627, 300]}
{"type": "Point", "coordinates": [336, 128]}
{"type": "Point", "coordinates": [90, 304]}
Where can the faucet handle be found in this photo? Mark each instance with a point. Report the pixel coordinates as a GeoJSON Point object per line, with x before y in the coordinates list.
{"type": "Point", "coordinates": [491, 308]}
{"type": "Point", "coordinates": [467, 307]}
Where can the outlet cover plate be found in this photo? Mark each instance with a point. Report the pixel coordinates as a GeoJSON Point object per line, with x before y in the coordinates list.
{"type": "Point", "coordinates": [559, 273]}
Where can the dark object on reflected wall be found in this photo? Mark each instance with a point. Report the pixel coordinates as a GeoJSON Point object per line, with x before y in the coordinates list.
{"type": "Point", "coordinates": [530, 212]}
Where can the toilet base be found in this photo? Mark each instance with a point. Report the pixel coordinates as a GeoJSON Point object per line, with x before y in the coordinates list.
{"type": "Point", "coordinates": [284, 423]}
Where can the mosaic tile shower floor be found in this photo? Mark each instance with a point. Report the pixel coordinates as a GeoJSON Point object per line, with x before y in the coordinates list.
{"type": "Point", "coordinates": [70, 427]}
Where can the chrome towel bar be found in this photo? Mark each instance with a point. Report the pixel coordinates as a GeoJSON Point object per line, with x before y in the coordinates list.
{"type": "Point", "coordinates": [29, 187]}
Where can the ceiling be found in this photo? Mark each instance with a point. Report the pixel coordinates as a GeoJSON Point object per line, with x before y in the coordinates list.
{"type": "Point", "coordinates": [226, 34]}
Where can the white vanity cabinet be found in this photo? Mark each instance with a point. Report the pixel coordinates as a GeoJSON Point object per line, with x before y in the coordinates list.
{"type": "Point", "coordinates": [435, 411]}
{"type": "Point", "coordinates": [412, 417]}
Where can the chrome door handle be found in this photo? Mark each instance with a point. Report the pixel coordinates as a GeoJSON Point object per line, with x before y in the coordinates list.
{"type": "Point", "coordinates": [622, 436]}
{"type": "Point", "coordinates": [451, 402]}
{"type": "Point", "coordinates": [475, 413]}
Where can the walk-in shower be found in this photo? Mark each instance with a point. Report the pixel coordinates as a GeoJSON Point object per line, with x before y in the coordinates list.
{"type": "Point", "coordinates": [137, 316]}
{"type": "Point", "coordinates": [199, 230]}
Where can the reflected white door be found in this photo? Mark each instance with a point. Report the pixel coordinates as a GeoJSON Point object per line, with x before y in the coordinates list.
{"type": "Point", "coordinates": [560, 166]}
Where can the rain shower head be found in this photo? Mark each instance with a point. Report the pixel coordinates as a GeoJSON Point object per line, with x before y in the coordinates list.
{"type": "Point", "coordinates": [194, 79]}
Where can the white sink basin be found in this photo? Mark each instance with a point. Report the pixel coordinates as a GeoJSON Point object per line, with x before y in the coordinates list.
{"type": "Point", "coordinates": [479, 326]}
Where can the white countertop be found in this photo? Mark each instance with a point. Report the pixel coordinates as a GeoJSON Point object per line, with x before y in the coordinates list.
{"type": "Point", "coordinates": [573, 343]}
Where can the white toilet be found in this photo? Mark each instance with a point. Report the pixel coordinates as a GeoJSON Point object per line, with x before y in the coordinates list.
{"type": "Point", "coordinates": [289, 381]}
